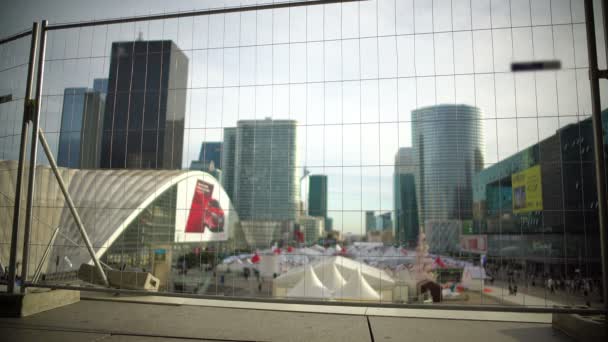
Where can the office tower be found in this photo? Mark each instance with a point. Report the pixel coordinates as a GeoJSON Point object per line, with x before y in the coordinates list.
{"type": "Point", "coordinates": [80, 133]}
{"type": "Point", "coordinates": [210, 154]}
{"type": "Point", "coordinates": [100, 85]}
{"type": "Point", "coordinates": [447, 142]}
{"type": "Point", "coordinates": [266, 184]}
{"type": "Point", "coordinates": [406, 207]}
{"type": "Point", "coordinates": [229, 160]}
{"type": "Point", "coordinates": [317, 198]}
{"type": "Point", "coordinates": [143, 123]}
{"type": "Point", "coordinates": [370, 221]}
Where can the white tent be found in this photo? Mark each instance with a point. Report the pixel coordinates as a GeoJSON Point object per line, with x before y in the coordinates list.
{"type": "Point", "coordinates": [309, 286]}
{"type": "Point", "coordinates": [330, 276]}
{"type": "Point", "coordinates": [473, 278]}
{"type": "Point", "coordinates": [357, 288]}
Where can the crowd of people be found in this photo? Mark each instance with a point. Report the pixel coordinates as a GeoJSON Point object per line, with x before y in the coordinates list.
{"type": "Point", "coordinates": [575, 285]}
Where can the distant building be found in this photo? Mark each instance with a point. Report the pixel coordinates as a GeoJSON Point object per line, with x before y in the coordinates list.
{"type": "Point", "coordinates": [370, 221]}
{"type": "Point", "coordinates": [312, 227]}
{"type": "Point", "coordinates": [317, 198]}
{"type": "Point", "coordinates": [266, 183]}
{"type": "Point", "coordinates": [448, 152]}
{"type": "Point", "coordinates": [406, 206]}
{"type": "Point", "coordinates": [143, 124]}
{"type": "Point", "coordinates": [540, 204]}
{"type": "Point", "coordinates": [101, 85]}
{"type": "Point", "coordinates": [229, 160]}
{"type": "Point", "coordinates": [384, 222]}
{"type": "Point", "coordinates": [80, 132]}
{"type": "Point", "coordinates": [210, 154]}
{"type": "Point", "coordinates": [209, 160]}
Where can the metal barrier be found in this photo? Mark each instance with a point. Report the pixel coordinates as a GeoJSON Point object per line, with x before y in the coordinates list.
{"type": "Point", "coordinates": [98, 251]}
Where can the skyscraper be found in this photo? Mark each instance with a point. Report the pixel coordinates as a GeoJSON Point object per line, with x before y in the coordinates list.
{"type": "Point", "coordinates": [406, 206]}
{"type": "Point", "coordinates": [317, 197]}
{"type": "Point", "coordinates": [143, 124]}
{"type": "Point", "coordinates": [229, 160]}
{"type": "Point", "coordinates": [447, 142]}
{"type": "Point", "coordinates": [80, 133]}
{"type": "Point", "coordinates": [211, 152]}
{"type": "Point", "coordinates": [266, 185]}
{"type": "Point", "coordinates": [370, 221]}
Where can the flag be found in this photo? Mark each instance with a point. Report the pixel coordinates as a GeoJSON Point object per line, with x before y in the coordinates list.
{"type": "Point", "coordinates": [277, 251]}
{"type": "Point", "coordinates": [439, 262]}
{"type": "Point", "coordinates": [255, 258]}
{"type": "Point", "coordinates": [289, 249]}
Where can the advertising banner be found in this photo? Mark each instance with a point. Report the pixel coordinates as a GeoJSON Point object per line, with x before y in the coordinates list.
{"type": "Point", "coordinates": [204, 212]}
{"type": "Point", "coordinates": [527, 190]}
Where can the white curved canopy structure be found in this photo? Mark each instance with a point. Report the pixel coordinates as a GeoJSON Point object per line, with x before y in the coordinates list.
{"type": "Point", "coordinates": [108, 201]}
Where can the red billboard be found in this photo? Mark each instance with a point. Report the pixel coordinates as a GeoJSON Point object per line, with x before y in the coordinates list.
{"type": "Point", "coordinates": [205, 212]}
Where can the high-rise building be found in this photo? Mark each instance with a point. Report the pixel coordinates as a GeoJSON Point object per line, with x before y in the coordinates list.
{"type": "Point", "coordinates": [229, 160]}
{"type": "Point", "coordinates": [143, 124]}
{"type": "Point", "coordinates": [406, 206]}
{"type": "Point", "coordinates": [266, 183]}
{"type": "Point", "coordinates": [317, 197]}
{"type": "Point", "coordinates": [80, 133]}
{"type": "Point", "coordinates": [447, 143]}
{"type": "Point", "coordinates": [211, 152]}
{"type": "Point", "coordinates": [370, 221]}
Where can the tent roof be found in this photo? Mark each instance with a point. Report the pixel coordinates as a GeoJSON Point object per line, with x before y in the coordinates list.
{"type": "Point", "coordinates": [346, 267]}
{"type": "Point", "coordinates": [330, 276]}
{"type": "Point", "coordinates": [357, 288]}
{"type": "Point", "coordinates": [309, 286]}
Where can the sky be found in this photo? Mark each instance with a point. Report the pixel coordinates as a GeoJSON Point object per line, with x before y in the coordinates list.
{"type": "Point", "coordinates": [350, 74]}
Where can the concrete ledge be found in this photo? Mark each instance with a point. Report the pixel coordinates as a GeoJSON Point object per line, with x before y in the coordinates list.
{"type": "Point", "coordinates": [581, 328]}
{"type": "Point", "coordinates": [22, 305]}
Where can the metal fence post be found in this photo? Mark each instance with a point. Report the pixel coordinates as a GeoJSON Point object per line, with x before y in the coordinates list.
{"type": "Point", "coordinates": [33, 155]}
{"type": "Point", "coordinates": [598, 141]}
{"type": "Point", "coordinates": [22, 151]}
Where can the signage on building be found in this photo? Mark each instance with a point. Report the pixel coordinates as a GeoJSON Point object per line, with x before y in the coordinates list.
{"type": "Point", "coordinates": [203, 211]}
{"type": "Point", "coordinates": [474, 243]}
{"type": "Point", "coordinates": [527, 190]}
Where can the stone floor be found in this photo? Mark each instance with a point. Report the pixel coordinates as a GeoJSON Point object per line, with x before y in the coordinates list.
{"type": "Point", "coordinates": [104, 320]}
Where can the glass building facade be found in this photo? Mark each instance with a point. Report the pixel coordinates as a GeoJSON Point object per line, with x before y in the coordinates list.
{"type": "Point", "coordinates": [406, 206]}
{"type": "Point", "coordinates": [80, 135]}
{"type": "Point", "coordinates": [143, 124]}
{"type": "Point", "coordinates": [448, 151]}
{"type": "Point", "coordinates": [554, 236]}
{"type": "Point", "coordinates": [317, 196]}
{"type": "Point", "coordinates": [266, 182]}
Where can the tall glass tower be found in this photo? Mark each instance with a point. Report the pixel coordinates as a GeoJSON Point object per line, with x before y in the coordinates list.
{"type": "Point", "coordinates": [406, 207]}
{"type": "Point", "coordinates": [143, 125]}
{"type": "Point", "coordinates": [447, 143]}
{"type": "Point", "coordinates": [266, 183]}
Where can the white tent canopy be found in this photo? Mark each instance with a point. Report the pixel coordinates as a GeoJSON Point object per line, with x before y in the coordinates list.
{"type": "Point", "coordinates": [330, 276]}
{"type": "Point", "coordinates": [357, 288]}
{"type": "Point", "coordinates": [309, 286]}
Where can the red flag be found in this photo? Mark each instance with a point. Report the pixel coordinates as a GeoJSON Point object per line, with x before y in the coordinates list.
{"type": "Point", "coordinates": [439, 262]}
{"type": "Point", "coordinates": [277, 251]}
{"type": "Point", "coordinates": [289, 249]}
{"type": "Point", "coordinates": [255, 258]}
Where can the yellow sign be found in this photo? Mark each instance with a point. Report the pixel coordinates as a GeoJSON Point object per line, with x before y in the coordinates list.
{"type": "Point", "coordinates": [527, 190]}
